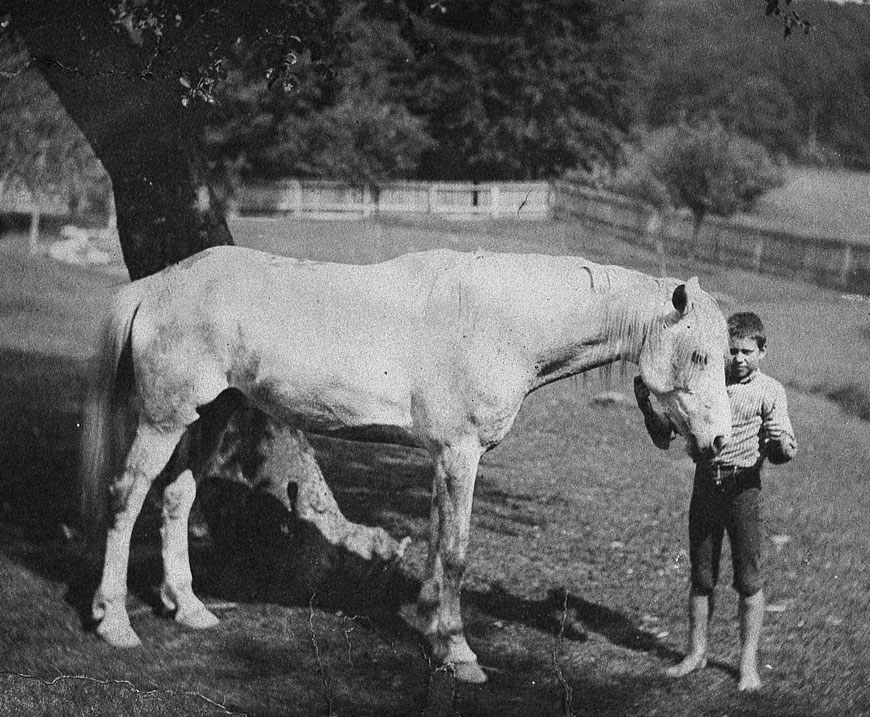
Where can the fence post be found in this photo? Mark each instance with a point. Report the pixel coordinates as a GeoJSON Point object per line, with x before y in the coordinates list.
{"type": "Point", "coordinates": [367, 201]}
{"type": "Point", "coordinates": [494, 196]}
{"type": "Point", "coordinates": [846, 266]}
{"type": "Point", "coordinates": [33, 237]}
{"type": "Point", "coordinates": [758, 250]}
{"type": "Point", "coordinates": [297, 197]}
{"type": "Point", "coordinates": [654, 232]}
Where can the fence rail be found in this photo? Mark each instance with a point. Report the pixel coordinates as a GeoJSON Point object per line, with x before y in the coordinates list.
{"type": "Point", "coordinates": [523, 200]}
{"type": "Point", "coordinates": [15, 198]}
{"type": "Point", "coordinates": [836, 263]}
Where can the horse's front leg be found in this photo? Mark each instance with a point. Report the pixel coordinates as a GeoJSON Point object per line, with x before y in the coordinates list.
{"type": "Point", "coordinates": [439, 603]}
{"type": "Point", "coordinates": [176, 593]}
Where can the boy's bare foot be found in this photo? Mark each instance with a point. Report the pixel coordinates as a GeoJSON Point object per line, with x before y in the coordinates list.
{"type": "Point", "coordinates": [749, 681]}
{"type": "Point", "coordinates": [690, 664]}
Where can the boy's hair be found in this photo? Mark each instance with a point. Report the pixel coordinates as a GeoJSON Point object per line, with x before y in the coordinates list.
{"type": "Point", "coordinates": [747, 325]}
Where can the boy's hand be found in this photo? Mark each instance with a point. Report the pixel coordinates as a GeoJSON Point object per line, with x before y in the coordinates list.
{"type": "Point", "coordinates": [641, 394]}
{"type": "Point", "coordinates": [779, 445]}
{"type": "Point", "coordinates": [772, 430]}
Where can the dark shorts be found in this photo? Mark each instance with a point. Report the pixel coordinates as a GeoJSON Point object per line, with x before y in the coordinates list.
{"type": "Point", "coordinates": [734, 507]}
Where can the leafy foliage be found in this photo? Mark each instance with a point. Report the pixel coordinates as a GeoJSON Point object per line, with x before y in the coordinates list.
{"type": "Point", "coordinates": [507, 90]}
{"type": "Point", "coordinates": [41, 149]}
{"type": "Point", "coordinates": [807, 97]}
{"type": "Point", "coordinates": [495, 89]}
{"type": "Point", "coordinates": [349, 123]}
{"type": "Point", "coordinates": [790, 18]}
{"type": "Point", "coordinates": [703, 167]}
{"type": "Point", "coordinates": [524, 89]}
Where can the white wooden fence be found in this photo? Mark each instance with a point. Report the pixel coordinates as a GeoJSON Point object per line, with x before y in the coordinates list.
{"type": "Point", "coordinates": [15, 198]}
{"type": "Point", "coordinates": [521, 200]}
{"type": "Point", "coordinates": [838, 263]}
{"type": "Point", "coordinates": [834, 262]}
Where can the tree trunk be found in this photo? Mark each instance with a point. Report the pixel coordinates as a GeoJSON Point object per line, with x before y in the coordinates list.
{"type": "Point", "coordinates": [149, 143]}
{"type": "Point", "coordinates": [698, 215]}
{"type": "Point", "coordinates": [150, 146]}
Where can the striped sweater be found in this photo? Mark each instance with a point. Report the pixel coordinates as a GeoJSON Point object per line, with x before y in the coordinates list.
{"type": "Point", "coordinates": [754, 400]}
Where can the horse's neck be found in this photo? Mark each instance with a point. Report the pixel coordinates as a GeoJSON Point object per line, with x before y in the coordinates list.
{"type": "Point", "coordinates": [593, 325]}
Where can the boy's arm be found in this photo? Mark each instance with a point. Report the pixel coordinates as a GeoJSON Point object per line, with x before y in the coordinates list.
{"type": "Point", "coordinates": [658, 426]}
{"type": "Point", "coordinates": [780, 444]}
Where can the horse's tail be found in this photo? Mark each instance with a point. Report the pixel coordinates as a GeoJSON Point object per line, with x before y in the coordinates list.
{"type": "Point", "coordinates": [108, 417]}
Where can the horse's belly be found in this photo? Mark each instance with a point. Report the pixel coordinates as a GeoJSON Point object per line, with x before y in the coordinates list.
{"type": "Point", "coordinates": [326, 403]}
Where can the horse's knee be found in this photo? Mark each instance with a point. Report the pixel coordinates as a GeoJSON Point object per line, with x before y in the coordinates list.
{"type": "Point", "coordinates": [454, 568]}
{"type": "Point", "coordinates": [179, 495]}
{"type": "Point", "coordinates": [119, 493]}
{"type": "Point", "coordinates": [126, 495]}
{"type": "Point", "coordinates": [430, 596]}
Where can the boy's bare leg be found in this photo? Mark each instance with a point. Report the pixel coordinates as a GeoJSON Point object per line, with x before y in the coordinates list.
{"type": "Point", "coordinates": [700, 612]}
{"type": "Point", "coordinates": [751, 617]}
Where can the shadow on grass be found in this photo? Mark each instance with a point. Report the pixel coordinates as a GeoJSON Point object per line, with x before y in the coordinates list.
{"type": "Point", "coordinates": [39, 416]}
{"type": "Point", "coordinates": [852, 397]}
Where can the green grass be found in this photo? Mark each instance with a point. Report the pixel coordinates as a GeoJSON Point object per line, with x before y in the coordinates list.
{"type": "Point", "coordinates": [576, 500]}
{"type": "Point", "coordinates": [818, 202]}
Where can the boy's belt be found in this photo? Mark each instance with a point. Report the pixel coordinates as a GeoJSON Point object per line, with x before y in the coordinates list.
{"type": "Point", "coordinates": [719, 473]}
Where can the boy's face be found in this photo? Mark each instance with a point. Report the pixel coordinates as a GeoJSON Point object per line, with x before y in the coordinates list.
{"type": "Point", "coordinates": [744, 357]}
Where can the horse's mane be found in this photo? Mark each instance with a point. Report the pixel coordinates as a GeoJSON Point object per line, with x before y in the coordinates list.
{"type": "Point", "coordinates": [638, 309]}
{"type": "Point", "coordinates": [642, 310]}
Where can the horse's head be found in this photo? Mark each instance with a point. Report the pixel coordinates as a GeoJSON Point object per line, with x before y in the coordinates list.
{"type": "Point", "coordinates": [683, 367]}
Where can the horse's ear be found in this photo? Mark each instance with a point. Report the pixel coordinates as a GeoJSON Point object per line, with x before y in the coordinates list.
{"type": "Point", "coordinates": [681, 299]}
{"type": "Point", "coordinates": [683, 293]}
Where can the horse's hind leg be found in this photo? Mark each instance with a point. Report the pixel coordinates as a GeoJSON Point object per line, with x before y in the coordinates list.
{"type": "Point", "coordinates": [149, 453]}
{"type": "Point", "coordinates": [177, 589]}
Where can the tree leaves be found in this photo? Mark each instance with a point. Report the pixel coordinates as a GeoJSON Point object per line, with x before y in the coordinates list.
{"type": "Point", "coordinates": [524, 90]}
{"type": "Point", "coordinates": [702, 167]}
{"type": "Point", "coordinates": [790, 19]}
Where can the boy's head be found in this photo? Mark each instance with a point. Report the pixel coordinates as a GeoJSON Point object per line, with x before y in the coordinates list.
{"type": "Point", "coordinates": [747, 341]}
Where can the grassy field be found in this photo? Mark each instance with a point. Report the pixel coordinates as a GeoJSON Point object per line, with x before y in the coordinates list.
{"type": "Point", "coordinates": [576, 586]}
{"type": "Point", "coordinates": [819, 202]}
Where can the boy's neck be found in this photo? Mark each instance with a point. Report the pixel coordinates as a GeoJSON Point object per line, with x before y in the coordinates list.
{"type": "Point", "coordinates": [730, 380]}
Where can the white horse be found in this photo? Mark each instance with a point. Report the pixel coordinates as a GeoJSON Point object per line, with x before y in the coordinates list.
{"type": "Point", "coordinates": [442, 345]}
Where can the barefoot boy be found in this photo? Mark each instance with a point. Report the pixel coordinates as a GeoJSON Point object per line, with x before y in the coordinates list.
{"type": "Point", "coordinates": [726, 494]}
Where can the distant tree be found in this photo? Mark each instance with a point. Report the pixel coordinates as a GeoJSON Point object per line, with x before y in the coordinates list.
{"type": "Point", "coordinates": [349, 124]}
{"type": "Point", "coordinates": [524, 89]}
{"type": "Point", "coordinates": [703, 168]}
{"type": "Point", "coordinates": [41, 149]}
{"type": "Point", "coordinates": [806, 97]}
{"type": "Point", "coordinates": [761, 108]}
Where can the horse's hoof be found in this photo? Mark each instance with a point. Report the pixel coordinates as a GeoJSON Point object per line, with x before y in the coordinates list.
{"type": "Point", "coordinates": [197, 619]}
{"type": "Point", "coordinates": [469, 672]}
{"type": "Point", "coordinates": [403, 546]}
{"type": "Point", "coordinates": [121, 636]}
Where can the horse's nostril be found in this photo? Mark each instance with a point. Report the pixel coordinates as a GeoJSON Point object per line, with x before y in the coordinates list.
{"type": "Point", "coordinates": [718, 444]}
